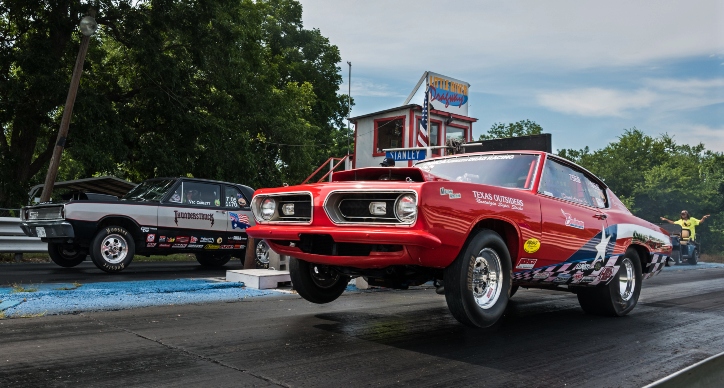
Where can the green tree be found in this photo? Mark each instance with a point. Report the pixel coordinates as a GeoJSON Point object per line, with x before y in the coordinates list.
{"type": "Point", "coordinates": [520, 128]}
{"type": "Point", "coordinates": [235, 90]}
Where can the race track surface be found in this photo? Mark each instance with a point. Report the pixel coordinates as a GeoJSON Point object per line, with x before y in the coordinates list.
{"type": "Point", "coordinates": [378, 338]}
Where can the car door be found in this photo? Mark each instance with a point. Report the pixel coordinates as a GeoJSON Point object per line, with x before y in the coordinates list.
{"type": "Point", "coordinates": [239, 215]}
{"type": "Point", "coordinates": [192, 218]}
{"type": "Point", "coordinates": [574, 226]}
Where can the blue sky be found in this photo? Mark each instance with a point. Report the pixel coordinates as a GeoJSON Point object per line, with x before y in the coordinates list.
{"type": "Point", "coordinates": [584, 70]}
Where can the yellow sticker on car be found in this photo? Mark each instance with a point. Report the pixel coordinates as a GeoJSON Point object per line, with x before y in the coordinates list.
{"type": "Point", "coordinates": [531, 246]}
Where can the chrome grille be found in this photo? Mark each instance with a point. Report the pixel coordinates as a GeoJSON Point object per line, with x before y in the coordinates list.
{"type": "Point", "coordinates": [44, 213]}
{"type": "Point", "coordinates": [350, 207]}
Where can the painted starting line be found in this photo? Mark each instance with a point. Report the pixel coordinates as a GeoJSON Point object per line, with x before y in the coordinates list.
{"type": "Point", "coordinates": [66, 298]}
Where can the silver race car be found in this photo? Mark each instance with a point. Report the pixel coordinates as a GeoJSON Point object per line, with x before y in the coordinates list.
{"type": "Point", "coordinates": [160, 216]}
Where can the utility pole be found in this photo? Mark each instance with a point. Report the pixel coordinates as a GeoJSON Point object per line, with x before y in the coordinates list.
{"type": "Point", "coordinates": [88, 27]}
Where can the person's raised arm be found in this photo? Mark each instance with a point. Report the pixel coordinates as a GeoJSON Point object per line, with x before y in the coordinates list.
{"type": "Point", "coordinates": [701, 221]}
{"type": "Point", "coordinates": [666, 219]}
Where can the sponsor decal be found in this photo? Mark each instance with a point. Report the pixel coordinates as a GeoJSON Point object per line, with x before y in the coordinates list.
{"type": "Point", "coordinates": [584, 266]}
{"type": "Point", "coordinates": [526, 264]}
{"type": "Point", "coordinates": [240, 200]}
{"type": "Point", "coordinates": [179, 246]}
{"type": "Point", "coordinates": [164, 245]}
{"type": "Point", "coordinates": [226, 247]}
{"type": "Point", "coordinates": [651, 241]}
{"type": "Point", "coordinates": [146, 229]}
{"type": "Point", "coordinates": [162, 239]}
{"type": "Point", "coordinates": [193, 216]}
{"type": "Point", "coordinates": [572, 222]}
{"type": "Point", "coordinates": [450, 193]}
{"type": "Point", "coordinates": [562, 278]}
{"type": "Point", "coordinates": [150, 245]}
{"type": "Point", "coordinates": [206, 240]}
{"type": "Point", "coordinates": [498, 200]}
{"type": "Point", "coordinates": [182, 240]}
{"type": "Point", "coordinates": [237, 238]}
{"type": "Point", "coordinates": [531, 245]}
{"type": "Point", "coordinates": [211, 246]}
{"type": "Point", "coordinates": [542, 275]}
{"type": "Point", "coordinates": [588, 279]}
{"type": "Point", "coordinates": [194, 240]}
{"type": "Point", "coordinates": [238, 246]}
{"type": "Point", "coordinates": [171, 239]}
{"type": "Point", "coordinates": [605, 274]}
{"type": "Point", "coordinates": [577, 277]}
{"type": "Point", "coordinates": [151, 238]}
{"type": "Point", "coordinates": [574, 178]}
{"type": "Point", "coordinates": [219, 240]}
{"type": "Point", "coordinates": [240, 221]}
{"type": "Point", "coordinates": [195, 246]}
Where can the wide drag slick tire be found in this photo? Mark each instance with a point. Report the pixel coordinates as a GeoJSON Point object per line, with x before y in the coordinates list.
{"type": "Point", "coordinates": [212, 260]}
{"type": "Point", "coordinates": [112, 249]}
{"type": "Point", "coordinates": [316, 283]}
{"type": "Point", "coordinates": [620, 295]}
{"type": "Point", "coordinates": [66, 255]}
{"type": "Point", "coordinates": [477, 283]}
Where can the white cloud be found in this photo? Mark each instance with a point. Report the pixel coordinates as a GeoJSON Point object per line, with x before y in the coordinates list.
{"type": "Point", "coordinates": [712, 138]}
{"type": "Point", "coordinates": [596, 102]}
{"type": "Point", "coordinates": [369, 88]}
{"type": "Point", "coordinates": [467, 36]}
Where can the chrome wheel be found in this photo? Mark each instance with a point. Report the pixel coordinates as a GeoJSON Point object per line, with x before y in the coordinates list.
{"type": "Point", "coordinates": [487, 278]}
{"type": "Point", "coordinates": [626, 279]}
{"type": "Point", "coordinates": [114, 248]}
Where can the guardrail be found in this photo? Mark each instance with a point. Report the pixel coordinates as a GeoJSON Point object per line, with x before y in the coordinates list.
{"type": "Point", "coordinates": [13, 240]}
{"type": "Point", "coordinates": [706, 373]}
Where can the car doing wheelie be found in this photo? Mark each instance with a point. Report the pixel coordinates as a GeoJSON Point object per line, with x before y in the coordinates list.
{"type": "Point", "coordinates": [478, 225]}
{"type": "Point", "coordinates": [160, 216]}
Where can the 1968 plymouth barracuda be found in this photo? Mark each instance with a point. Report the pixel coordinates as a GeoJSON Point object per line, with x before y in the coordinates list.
{"type": "Point", "coordinates": [158, 217]}
{"type": "Point", "coordinates": [478, 225]}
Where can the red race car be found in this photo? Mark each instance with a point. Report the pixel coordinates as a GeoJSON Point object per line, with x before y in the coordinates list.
{"type": "Point", "coordinates": [478, 225]}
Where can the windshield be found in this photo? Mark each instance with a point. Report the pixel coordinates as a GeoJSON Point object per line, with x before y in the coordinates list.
{"type": "Point", "coordinates": [151, 191]}
{"type": "Point", "coordinates": [502, 170]}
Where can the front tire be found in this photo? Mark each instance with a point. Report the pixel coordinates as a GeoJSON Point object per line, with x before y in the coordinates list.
{"type": "Point", "coordinates": [66, 255]}
{"type": "Point", "coordinates": [211, 260]}
{"type": "Point", "coordinates": [478, 282]}
{"type": "Point", "coordinates": [316, 283]}
{"type": "Point", "coordinates": [618, 297]}
{"type": "Point", "coordinates": [112, 249]}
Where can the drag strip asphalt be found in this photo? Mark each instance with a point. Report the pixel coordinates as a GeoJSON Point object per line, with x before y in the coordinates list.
{"type": "Point", "coordinates": [378, 338]}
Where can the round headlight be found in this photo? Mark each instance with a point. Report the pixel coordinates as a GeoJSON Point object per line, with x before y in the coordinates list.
{"type": "Point", "coordinates": [405, 208]}
{"type": "Point", "coordinates": [268, 208]}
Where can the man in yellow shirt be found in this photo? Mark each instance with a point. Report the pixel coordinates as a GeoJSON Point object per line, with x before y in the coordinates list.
{"type": "Point", "coordinates": [687, 222]}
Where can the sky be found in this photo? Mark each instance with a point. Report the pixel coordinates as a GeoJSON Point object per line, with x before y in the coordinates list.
{"type": "Point", "coordinates": [584, 70]}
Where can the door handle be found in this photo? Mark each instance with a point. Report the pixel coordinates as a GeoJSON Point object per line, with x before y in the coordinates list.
{"type": "Point", "coordinates": [600, 216]}
{"type": "Point", "coordinates": [221, 211]}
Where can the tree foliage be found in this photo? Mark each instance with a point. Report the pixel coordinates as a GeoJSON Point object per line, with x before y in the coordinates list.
{"type": "Point", "coordinates": [235, 90]}
{"type": "Point", "coordinates": [657, 177]}
{"type": "Point", "coordinates": [520, 128]}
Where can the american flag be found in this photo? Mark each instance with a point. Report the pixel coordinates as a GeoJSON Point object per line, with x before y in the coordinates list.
{"type": "Point", "coordinates": [422, 138]}
{"type": "Point", "coordinates": [240, 221]}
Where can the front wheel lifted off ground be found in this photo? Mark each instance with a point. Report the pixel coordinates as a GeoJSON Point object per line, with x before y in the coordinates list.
{"type": "Point", "coordinates": [66, 255]}
{"type": "Point", "coordinates": [112, 249]}
{"type": "Point", "coordinates": [477, 283]}
{"type": "Point", "coordinates": [316, 283]}
{"type": "Point", "coordinates": [618, 297]}
{"type": "Point", "coordinates": [213, 260]}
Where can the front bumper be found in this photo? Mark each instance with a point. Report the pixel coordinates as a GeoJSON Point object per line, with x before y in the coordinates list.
{"type": "Point", "coordinates": [60, 229]}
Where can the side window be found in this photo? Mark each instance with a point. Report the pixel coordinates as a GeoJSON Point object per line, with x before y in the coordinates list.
{"type": "Point", "coordinates": [388, 134]}
{"type": "Point", "coordinates": [234, 197]}
{"type": "Point", "coordinates": [200, 194]}
{"type": "Point", "coordinates": [565, 183]}
{"type": "Point", "coordinates": [597, 194]}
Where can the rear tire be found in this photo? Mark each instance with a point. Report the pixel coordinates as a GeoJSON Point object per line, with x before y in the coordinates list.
{"type": "Point", "coordinates": [316, 283]}
{"type": "Point", "coordinates": [212, 260]}
{"type": "Point", "coordinates": [694, 259]}
{"type": "Point", "coordinates": [478, 282]}
{"type": "Point", "coordinates": [513, 290]}
{"type": "Point", "coordinates": [618, 297]}
{"type": "Point", "coordinates": [66, 255]}
{"type": "Point", "coordinates": [112, 249]}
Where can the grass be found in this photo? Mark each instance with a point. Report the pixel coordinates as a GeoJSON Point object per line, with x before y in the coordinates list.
{"type": "Point", "coordinates": [75, 285]}
{"type": "Point", "coordinates": [36, 315]}
{"type": "Point", "coordinates": [16, 288]}
{"type": "Point", "coordinates": [2, 314]}
{"type": "Point", "coordinates": [709, 258]}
